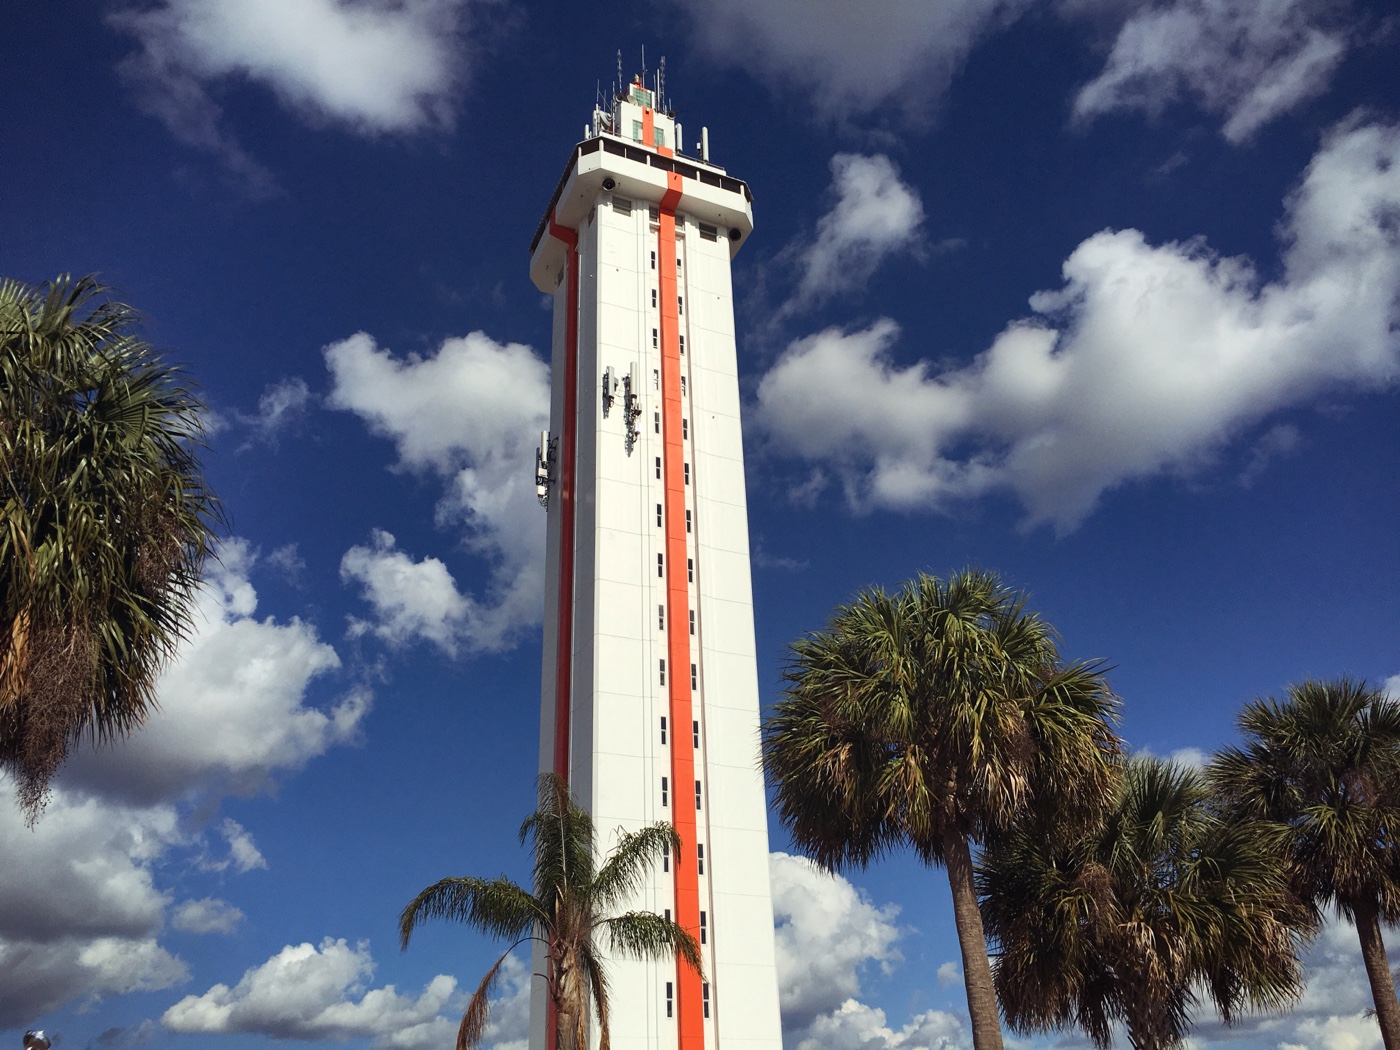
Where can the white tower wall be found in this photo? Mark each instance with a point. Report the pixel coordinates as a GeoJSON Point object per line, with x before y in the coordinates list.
{"type": "Point", "coordinates": [660, 574]}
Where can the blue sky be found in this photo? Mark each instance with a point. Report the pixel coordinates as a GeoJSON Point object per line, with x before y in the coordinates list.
{"type": "Point", "coordinates": [1101, 295]}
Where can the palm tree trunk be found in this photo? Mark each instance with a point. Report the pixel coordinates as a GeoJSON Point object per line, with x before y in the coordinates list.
{"type": "Point", "coordinates": [977, 971]}
{"type": "Point", "coordinates": [1368, 929]}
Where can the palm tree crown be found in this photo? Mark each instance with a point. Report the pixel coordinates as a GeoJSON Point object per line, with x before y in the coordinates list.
{"type": "Point", "coordinates": [931, 718]}
{"type": "Point", "coordinates": [570, 912]}
{"type": "Point", "coordinates": [1131, 919]}
{"type": "Point", "coordinates": [106, 523]}
{"type": "Point", "coordinates": [1325, 763]}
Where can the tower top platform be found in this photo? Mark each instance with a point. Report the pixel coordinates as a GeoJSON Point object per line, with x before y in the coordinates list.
{"type": "Point", "coordinates": [631, 150]}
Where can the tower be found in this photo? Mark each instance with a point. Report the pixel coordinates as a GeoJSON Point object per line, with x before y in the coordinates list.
{"type": "Point", "coordinates": [649, 703]}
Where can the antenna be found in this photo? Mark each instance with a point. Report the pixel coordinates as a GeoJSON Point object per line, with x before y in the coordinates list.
{"type": "Point", "coordinates": [619, 72]}
{"type": "Point", "coordinates": [661, 86]}
{"type": "Point", "coordinates": [644, 65]}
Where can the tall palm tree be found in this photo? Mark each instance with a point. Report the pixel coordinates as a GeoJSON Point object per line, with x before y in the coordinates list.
{"type": "Point", "coordinates": [105, 527]}
{"type": "Point", "coordinates": [568, 912]}
{"type": "Point", "coordinates": [1325, 763]}
{"type": "Point", "coordinates": [1130, 920]}
{"type": "Point", "coordinates": [931, 718]}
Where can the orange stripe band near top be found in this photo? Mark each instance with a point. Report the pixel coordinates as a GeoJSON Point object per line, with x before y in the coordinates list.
{"type": "Point", "coordinates": [689, 1008]}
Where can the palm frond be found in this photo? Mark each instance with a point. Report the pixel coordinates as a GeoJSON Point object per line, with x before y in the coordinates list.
{"type": "Point", "coordinates": [625, 870]}
{"type": "Point", "coordinates": [496, 907]}
{"type": "Point", "coordinates": [474, 1020]}
{"type": "Point", "coordinates": [645, 935]}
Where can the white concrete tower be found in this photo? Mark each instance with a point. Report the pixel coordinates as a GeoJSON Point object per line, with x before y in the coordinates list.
{"type": "Point", "coordinates": [650, 696]}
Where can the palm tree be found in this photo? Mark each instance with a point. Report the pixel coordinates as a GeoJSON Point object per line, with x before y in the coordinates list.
{"type": "Point", "coordinates": [1130, 920]}
{"type": "Point", "coordinates": [931, 718]}
{"type": "Point", "coordinates": [1325, 763]}
{"type": "Point", "coordinates": [568, 913]}
{"type": "Point", "coordinates": [105, 527]}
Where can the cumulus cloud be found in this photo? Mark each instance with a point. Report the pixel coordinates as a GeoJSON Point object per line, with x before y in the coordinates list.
{"type": "Point", "coordinates": [209, 915]}
{"type": "Point", "coordinates": [826, 932]}
{"type": "Point", "coordinates": [1392, 686]}
{"type": "Point", "coordinates": [234, 710]}
{"type": "Point", "coordinates": [370, 67]}
{"type": "Point", "coordinates": [471, 414]}
{"type": "Point", "coordinates": [314, 993]}
{"type": "Point", "coordinates": [850, 61]}
{"type": "Point", "coordinates": [1245, 61]}
{"type": "Point", "coordinates": [81, 910]}
{"type": "Point", "coordinates": [875, 215]}
{"type": "Point", "coordinates": [411, 599]}
{"type": "Point", "coordinates": [856, 1026]}
{"type": "Point", "coordinates": [1148, 359]}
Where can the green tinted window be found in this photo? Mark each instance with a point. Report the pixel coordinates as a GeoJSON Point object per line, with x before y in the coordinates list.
{"type": "Point", "coordinates": [636, 131]}
{"type": "Point", "coordinates": [660, 138]}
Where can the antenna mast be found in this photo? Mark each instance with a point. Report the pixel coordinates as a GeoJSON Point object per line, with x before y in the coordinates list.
{"type": "Point", "coordinates": [661, 86]}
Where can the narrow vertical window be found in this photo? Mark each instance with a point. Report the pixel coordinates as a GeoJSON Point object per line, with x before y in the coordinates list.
{"type": "Point", "coordinates": [695, 732]}
{"type": "Point", "coordinates": [680, 304]}
{"type": "Point", "coordinates": [665, 791]}
{"type": "Point", "coordinates": [658, 515]}
{"type": "Point", "coordinates": [667, 913]}
{"type": "Point", "coordinates": [663, 729]}
{"type": "Point", "coordinates": [658, 465]}
{"type": "Point", "coordinates": [661, 617]}
{"type": "Point", "coordinates": [660, 565]}
{"type": "Point", "coordinates": [705, 994]}
{"type": "Point", "coordinates": [656, 379]}
{"type": "Point", "coordinates": [692, 621]}
{"type": "Point", "coordinates": [687, 521]}
{"type": "Point", "coordinates": [665, 857]}
{"type": "Point", "coordinates": [670, 1002]}
{"type": "Point", "coordinates": [682, 344]}
{"type": "Point", "coordinates": [653, 297]}
{"type": "Point", "coordinates": [687, 473]}
{"type": "Point", "coordinates": [663, 672]}
{"type": "Point", "coordinates": [678, 263]}
{"type": "Point", "coordinates": [694, 678]}
{"type": "Point", "coordinates": [653, 260]}
{"type": "Point", "coordinates": [656, 421]}
{"type": "Point", "coordinates": [654, 342]}
{"type": "Point", "coordinates": [697, 794]}
{"type": "Point", "coordinates": [685, 428]}
{"type": "Point", "coordinates": [704, 928]}
{"type": "Point", "coordinates": [682, 386]}
{"type": "Point", "coordinates": [690, 569]}
{"type": "Point", "coordinates": [700, 858]}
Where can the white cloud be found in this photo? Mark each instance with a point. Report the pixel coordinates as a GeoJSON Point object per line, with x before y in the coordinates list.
{"type": "Point", "coordinates": [826, 932]}
{"type": "Point", "coordinates": [1392, 686]}
{"type": "Point", "coordinates": [81, 911]}
{"type": "Point", "coordinates": [209, 915]}
{"type": "Point", "coordinates": [1280, 440]}
{"type": "Point", "coordinates": [949, 973]}
{"type": "Point", "coordinates": [234, 709]}
{"type": "Point", "coordinates": [875, 215]}
{"type": "Point", "coordinates": [1148, 359]}
{"type": "Point", "coordinates": [79, 908]}
{"type": "Point", "coordinates": [371, 67]}
{"type": "Point", "coordinates": [317, 993]}
{"type": "Point", "coordinates": [282, 405]}
{"type": "Point", "coordinates": [853, 60]}
{"type": "Point", "coordinates": [1246, 61]}
{"type": "Point", "coordinates": [470, 413]}
{"type": "Point", "coordinates": [856, 1026]}
{"type": "Point", "coordinates": [411, 599]}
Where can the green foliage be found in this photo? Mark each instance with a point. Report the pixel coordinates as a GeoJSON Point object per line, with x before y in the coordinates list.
{"type": "Point", "coordinates": [933, 718]}
{"type": "Point", "coordinates": [568, 911]}
{"type": "Point", "coordinates": [105, 523]}
{"type": "Point", "coordinates": [1132, 920]}
{"type": "Point", "coordinates": [942, 708]}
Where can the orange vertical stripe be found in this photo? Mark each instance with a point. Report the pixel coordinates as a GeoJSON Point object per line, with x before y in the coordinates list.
{"type": "Point", "coordinates": [564, 648]}
{"type": "Point", "coordinates": [689, 1008]}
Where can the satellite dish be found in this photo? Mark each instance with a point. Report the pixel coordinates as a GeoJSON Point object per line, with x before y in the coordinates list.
{"type": "Point", "coordinates": [36, 1040]}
